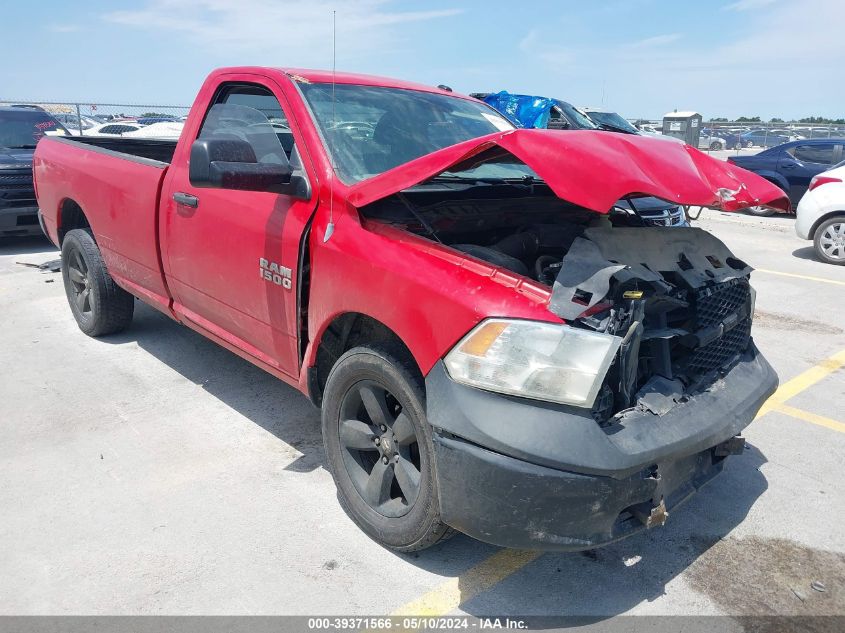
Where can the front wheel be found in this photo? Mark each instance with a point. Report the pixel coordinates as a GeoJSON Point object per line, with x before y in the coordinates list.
{"type": "Point", "coordinates": [98, 304]}
{"type": "Point", "coordinates": [714, 146]}
{"type": "Point", "coordinates": [829, 241]}
{"type": "Point", "coordinates": [379, 448]}
{"type": "Point", "coordinates": [761, 212]}
{"type": "Point", "coordinates": [749, 144]}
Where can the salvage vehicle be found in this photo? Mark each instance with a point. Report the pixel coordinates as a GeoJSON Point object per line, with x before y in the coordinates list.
{"type": "Point", "coordinates": [494, 351]}
{"type": "Point", "coordinates": [20, 129]}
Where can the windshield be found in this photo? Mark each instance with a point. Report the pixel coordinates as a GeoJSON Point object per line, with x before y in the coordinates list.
{"type": "Point", "coordinates": [580, 120]}
{"type": "Point", "coordinates": [370, 129]}
{"type": "Point", "coordinates": [21, 129]}
{"type": "Point", "coordinates": [612, 119]}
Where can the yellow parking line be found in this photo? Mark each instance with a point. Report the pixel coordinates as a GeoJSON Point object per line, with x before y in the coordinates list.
{"type": "Point", "coordinates": [810, 417]}
{"type": "Point", "coordinates": [802, 381]}
{"type": "Point", "coordinates": [449, 595]}
{"type": "Point", "coordinates": [807, 277]}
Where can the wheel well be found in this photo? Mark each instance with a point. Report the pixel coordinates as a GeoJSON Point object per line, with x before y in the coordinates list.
{"type": "Point", "coordinates": [343, 333]}
{"type": "Point", "coordinates": [774, 181]}
{"type": "Point", "coordinates": [824, 219]}
{"type": "Point", "coordinates": [71, 216]}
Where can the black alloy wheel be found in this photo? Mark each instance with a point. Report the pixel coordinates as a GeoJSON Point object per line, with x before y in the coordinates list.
{"type": "Point", "coordinates": [80, 281]}
{"type": "Point", "coordinates": [97, 303]}
{"type": "Point", "coordinates": [380, 449]}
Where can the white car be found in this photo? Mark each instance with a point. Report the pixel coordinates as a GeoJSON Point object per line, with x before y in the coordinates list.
{"type": "Point", "coordinates": [821, 215]}
{"type": "Point", "coordinates": [112, 128]}
{"type": "Point", "coordinates": [711, 142]}
{"type": "Point", "coordinates": [650, 129]}
{"type": "Point", "coordinates": [163, 129]}
{"type": "Point", "coordinates": [72, 122]}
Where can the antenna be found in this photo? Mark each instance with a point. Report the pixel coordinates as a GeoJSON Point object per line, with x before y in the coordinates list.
{"type": "Point", "coordinates": [330, 225]}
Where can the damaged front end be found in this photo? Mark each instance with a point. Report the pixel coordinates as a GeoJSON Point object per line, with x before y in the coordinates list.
{"type": "Point", "coordinates": [678, 298]}
{"type": "Point", "coordinates": [563, 209]}
{"type": "Point", "coordinates": [575, 432]}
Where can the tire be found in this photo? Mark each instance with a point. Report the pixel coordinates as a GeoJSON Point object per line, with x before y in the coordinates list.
{"type": "Point", "coordinates": [749, 144]}
{"type": "Point", "coordinates": [715, 146]}
{"type": "Point", "coordinates": [372, 392]}
{"type": "Point", "coordinates": [98, 304]}
{"type": "Point", "coordinates": [761, 212]}
{"type": "Point", "coordinates": [829, 241]}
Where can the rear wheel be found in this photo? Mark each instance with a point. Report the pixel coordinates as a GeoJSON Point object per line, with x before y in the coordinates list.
{"type": "Point", "coordinates": [715, 145]}
{"type": "Point", "coordinates": [379, 448]}
{"type": "Point", "coordinates": [762, 212]}
{"type": "Point", "coordinates": [829, 241]}
{"type": "Point", "coordinates": [749, 144]}
{"type": "Point", "coordinates": [98, 304]}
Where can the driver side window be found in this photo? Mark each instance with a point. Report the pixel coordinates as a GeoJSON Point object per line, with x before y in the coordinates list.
{"type": "Point", "coordinates": [252, 113]}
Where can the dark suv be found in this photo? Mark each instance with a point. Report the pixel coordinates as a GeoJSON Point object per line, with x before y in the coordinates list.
{"type": "Point", "coordinates": [20, 130]}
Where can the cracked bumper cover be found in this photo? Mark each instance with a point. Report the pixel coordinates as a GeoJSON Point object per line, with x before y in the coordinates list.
{"type": "Point", "coordinates": [521, 473]}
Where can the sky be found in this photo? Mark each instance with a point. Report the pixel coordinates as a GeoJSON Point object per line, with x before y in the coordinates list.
{"type": "Point", "coordinates": [642, 58]}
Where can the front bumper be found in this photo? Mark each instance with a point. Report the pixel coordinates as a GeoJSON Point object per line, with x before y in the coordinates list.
{"type": "Point", "coordinates": [519, 473]}
{"type": "Point", "coordinates": [16, 221]}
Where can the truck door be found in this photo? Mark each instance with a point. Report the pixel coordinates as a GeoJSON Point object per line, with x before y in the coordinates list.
{"type": "Point", "coordinates": [231, 256]}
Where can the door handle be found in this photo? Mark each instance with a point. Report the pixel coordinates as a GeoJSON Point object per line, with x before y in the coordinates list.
{"type": "Point", "coordinates": [187, 199]}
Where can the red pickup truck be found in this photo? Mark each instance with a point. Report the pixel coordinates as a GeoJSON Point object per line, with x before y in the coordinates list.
{"type": "Point", "coordinates": [497, 348]}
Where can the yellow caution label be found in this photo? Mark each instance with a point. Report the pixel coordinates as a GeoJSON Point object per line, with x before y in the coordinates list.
{"type": "Point", "coordinates": [632, 294]}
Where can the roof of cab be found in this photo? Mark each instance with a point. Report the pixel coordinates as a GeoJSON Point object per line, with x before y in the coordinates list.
{"type": "Point", "coordinates": [306, 75]}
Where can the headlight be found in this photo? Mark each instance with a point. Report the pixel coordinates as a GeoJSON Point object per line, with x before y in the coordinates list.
{"type": "Point", "coordinates": [532, 359]}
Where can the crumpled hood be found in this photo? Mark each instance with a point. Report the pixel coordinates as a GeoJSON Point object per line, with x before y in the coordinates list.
{"type": "Point", "coordinates": [593, 170]}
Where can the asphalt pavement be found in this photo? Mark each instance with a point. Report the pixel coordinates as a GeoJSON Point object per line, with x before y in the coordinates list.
{"type": "Point", "coordinates": [153, 472]}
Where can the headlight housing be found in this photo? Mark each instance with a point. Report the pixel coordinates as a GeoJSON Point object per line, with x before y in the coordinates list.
{"type": "Point", "coordinates": [533, 359]}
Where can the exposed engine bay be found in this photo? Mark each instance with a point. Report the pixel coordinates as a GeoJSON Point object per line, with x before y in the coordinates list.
{"type": "Point", "coordinates": [677, 296]}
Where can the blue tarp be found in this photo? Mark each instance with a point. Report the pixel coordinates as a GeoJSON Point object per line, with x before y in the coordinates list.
{"type": "Point", "coordinates": [522, 110]}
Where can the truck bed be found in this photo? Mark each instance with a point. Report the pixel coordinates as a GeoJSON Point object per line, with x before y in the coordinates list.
{"type": "Point", "coordinates": [157, 150]}
{"type": "Point", "coordinates": [116, 183]}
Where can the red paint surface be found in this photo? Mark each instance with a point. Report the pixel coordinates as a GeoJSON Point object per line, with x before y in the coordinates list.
{"type": "Point", "coordinates": [201, 265]}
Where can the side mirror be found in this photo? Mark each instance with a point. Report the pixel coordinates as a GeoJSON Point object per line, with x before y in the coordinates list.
{"type": "Point", "coordinates": [231, 164]}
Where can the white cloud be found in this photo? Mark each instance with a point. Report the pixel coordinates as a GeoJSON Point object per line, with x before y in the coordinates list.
{"type": "Point", "coordinates": [657, 40]}
{"type": "Point", "coordinates": [747, 5]}
{"type": "Point", "coordinates": [292, 31]}
{"type": "Point", "coordinates": [533, 44]}
{"type": "Point", "coordinates": [718, 76]}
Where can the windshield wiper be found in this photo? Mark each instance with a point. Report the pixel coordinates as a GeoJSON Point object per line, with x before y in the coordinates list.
{"type": "Point", "coordinates": [464, 179]}
{"type": "Point", "coordinates": [515, 180]}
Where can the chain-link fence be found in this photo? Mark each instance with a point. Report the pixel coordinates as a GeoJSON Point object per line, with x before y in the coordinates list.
{"type": "Point", "coordinates": [124, 119]}
{"type": "Point", "coordinates": [87, 119]}
{"type": "Point", "coordinates": [751, 136]}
